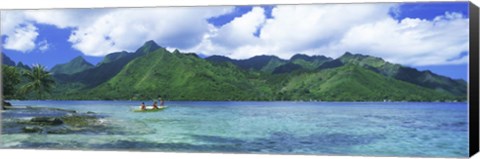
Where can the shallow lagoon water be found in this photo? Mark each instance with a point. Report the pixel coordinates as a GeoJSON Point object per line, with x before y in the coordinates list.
{"type": "Point", "coordinates": [321, 128]}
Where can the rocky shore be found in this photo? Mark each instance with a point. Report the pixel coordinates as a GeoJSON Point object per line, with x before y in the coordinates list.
{"type": "Point", "coordinates": [42, 120]}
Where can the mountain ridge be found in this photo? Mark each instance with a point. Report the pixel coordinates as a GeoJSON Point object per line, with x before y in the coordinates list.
{"type": "Point", "coordinates": [7, 61]}
{"type": "Point", "coordinates": [152, 70]}
{"type": "Point", "coordinates": [77, 64]}
{"type": "Point", "coordinates": [104, 71]}
{"type": "Point", "coordinates": [407, 74]}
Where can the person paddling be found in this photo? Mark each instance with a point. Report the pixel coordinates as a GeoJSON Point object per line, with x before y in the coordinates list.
{"type": "Point", "coordinates": [160, 99]}
{"type": "Point", "coordinates": [142, 107]}
{"type": "Point", "coordinates": [155, 105]}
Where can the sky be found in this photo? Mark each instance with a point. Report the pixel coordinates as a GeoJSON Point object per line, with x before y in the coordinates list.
{"type": "Point", "coordinates": [427, 36]}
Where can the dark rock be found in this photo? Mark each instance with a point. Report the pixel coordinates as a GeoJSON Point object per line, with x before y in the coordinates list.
{"type": "Point", "coordinates": [79, 121]}
{"type": "Point", "coordinates": [51, 109]}
{"type": "Point", "coordinates": [6, 105]}
{"type": "Point", "coordinates": [63, 110]}
{"type": "Point", "coordinates": [32, 129]}
{"type": "Point", "coordinates": [47, 121]}
{"type": "Point", "coordinates": [44, 120]}
{"type": "Point", "coordinates": [59, 131]}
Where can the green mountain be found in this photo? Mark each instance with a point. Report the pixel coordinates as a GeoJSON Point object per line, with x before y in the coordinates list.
{"type": "Point", "coordinates": [262, 63]}
{"type": "Point", "coordinates": [7, 61]}
{"type": "Point", "coordinates": [105, 70]}
{"type": "Point", "coordinates": [301, 62]}
{"type": "Point", "coordinates": [22, 66]}
{"type": "Point", "coordinates": [179, 77]}
{"type": "Point", "coordinates": [273, 64]}
{"type": "Point", "coordinates": [152, 71]}
{"type": "Point", "coordinates": [407, 74]}
{"type": "Point", "coordinates": [353, 83]}
{"type": "Point", "coordinates": [309, 62]}
{"type": "Point", "coordinates": [113, 57]}
{"type": "Point", "coordinates": [287, 68]}
{"type": "Point", "coordinates": [76, 65]}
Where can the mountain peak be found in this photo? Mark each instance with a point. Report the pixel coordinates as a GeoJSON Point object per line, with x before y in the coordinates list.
{"type": "Point", "coordinates": [150, 42]}
{"type": "Point", "coordinates": [264, 57]}
{"type": "Point", "coordinates": [348, 56]}
{"type": "Point", "coordinates": [21, 65]}
{"type": "Point", "coordinates": [299, 56]}
{"type": "Point", "coordinates": [7, 61]}
{"type": "Point", "coordinates": [79, 59]}
{"type": "Point", "coordinates": [75, 65]}
{"type": "Point", "coordinates": [112, 57]}
{"type": "Point", "coordinates": [148, 46]}
{"type": "Point", "coordinates": [309, 58]}
{"type": "Point", "coordinates": [176, 51]}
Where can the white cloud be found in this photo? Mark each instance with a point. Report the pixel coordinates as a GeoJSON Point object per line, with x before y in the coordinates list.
{"type": "Point", "coordinates": [332, 30]}
{"type": "Point", "coordinates": [237, 33]}
{"type": "Point", "coordinates": [64, 18]}
{"type": "Point", "coordinates": [10, 21]}
{"type": "Point", "coordinates": [97, 32]}
{"type": "Point", "coordinates": [20, 35]}
{"type": "Point", "coordinates": [294, 29]}
{"type": "Point", "coordinates": [20, 31]}
{"type": "Point", "coordinates": [170, 27]}
{"type": "Point", "coordinates": [21, 38]}
{"type": "Point", "coordinates": [43, 45]}
{"type": "Point", "coordinates": [240, 30]}
{"type": "Point", "coordinates": [410, 41]}
{"type": "Point", "coordinates": [329, 29]}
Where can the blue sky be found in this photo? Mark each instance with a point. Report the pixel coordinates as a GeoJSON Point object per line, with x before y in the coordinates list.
{"type": "Point", "coordinates": [59, 49]}
{"type": "Point", "coordinates": [246, 31]}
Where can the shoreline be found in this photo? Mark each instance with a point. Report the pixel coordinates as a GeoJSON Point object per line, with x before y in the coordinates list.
{"type": "Point", "coordinates": [51, 120]}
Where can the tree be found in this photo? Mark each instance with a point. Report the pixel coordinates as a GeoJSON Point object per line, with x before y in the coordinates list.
{"type": "Point", "coordinates": [38, 80]}
{"type": "Point", "coordinates": [10, 78]}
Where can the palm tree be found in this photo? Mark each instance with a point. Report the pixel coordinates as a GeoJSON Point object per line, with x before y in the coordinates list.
{"type": "Point", "coordinates": [39, 81]}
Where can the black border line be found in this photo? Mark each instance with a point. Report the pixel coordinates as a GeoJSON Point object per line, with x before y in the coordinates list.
{"type": "Point", "coordinates": [473, 80]}
{"type": "Point", "coordinates": [474, 69]}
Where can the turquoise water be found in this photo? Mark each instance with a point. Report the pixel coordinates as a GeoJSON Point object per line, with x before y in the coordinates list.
{"type": "Point", "coordinates": [322, 128]}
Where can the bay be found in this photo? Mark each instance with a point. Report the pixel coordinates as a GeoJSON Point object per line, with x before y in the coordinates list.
{"type": "Point", "coordinates": [319, 128]}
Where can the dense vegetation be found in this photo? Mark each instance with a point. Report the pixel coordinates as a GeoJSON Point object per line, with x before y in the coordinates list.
{"type": "Point", "coordinates": [11, 79]}
{"type": "Point", "coordinates": [78, 64]}
{"type": "Point", "coordinates": [152, 71]}
{"type": "Point", "coordinates": [38, 81]}
{"type": "Point", "coordinates": [21, 83]}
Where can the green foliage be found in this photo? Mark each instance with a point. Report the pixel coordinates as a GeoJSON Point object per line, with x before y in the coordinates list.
{"type": "Point", "coordinates": [38, 80]}
{"type": "Point", "coordinates": [113, 57]}
{"type": "Point", "coordinates": [104, 71]}
{"type": "Point", "coordinates": [309, 62]}
{"type": "Point", "coordinates": [411, 75]}
{"type": "Point", "coordinates": [262, 63]}
{"type": "Point", "coordinates": [287, 68]}
{"type": "Point", "coordinates": [178, 77]}
{"type": "Point", "coordinates": [353, 83]}
{"type": "Point", "coordinates": [76, 65]}
{"type": "Point", "coordinates": [152, 71]}
{"type": "Point", "coordinates": [11, 79]}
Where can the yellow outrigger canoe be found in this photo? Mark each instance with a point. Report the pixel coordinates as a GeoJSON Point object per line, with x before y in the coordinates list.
{"type": "Point", "coordinates": [150, 109]}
